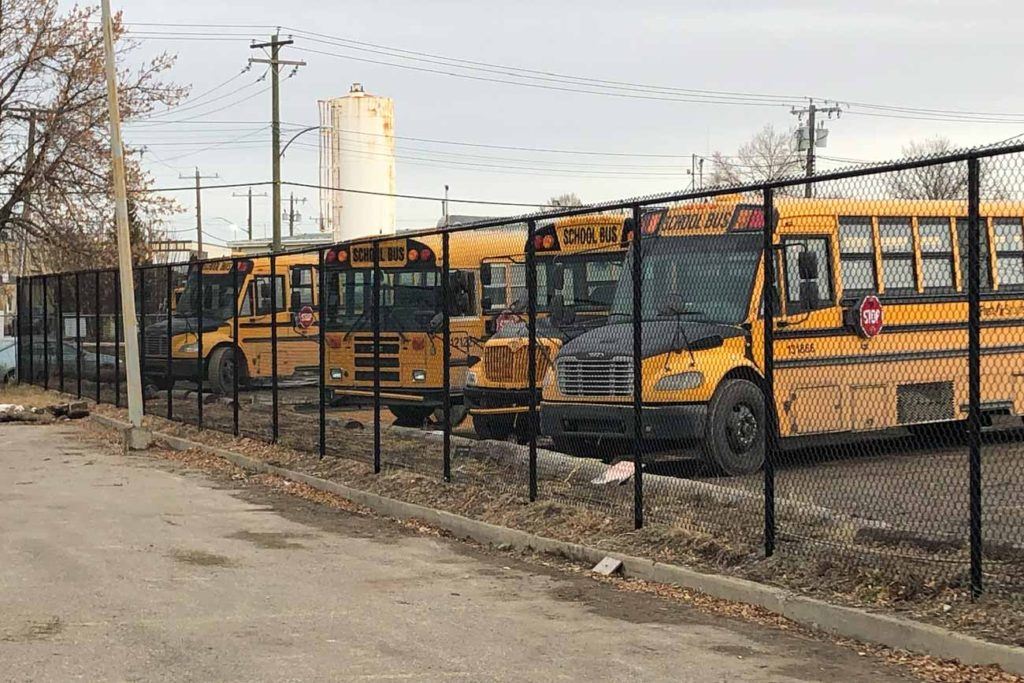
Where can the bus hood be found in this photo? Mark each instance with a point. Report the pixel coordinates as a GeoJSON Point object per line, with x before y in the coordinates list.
{"type": "Point", "coordinates": [181, 325]}
{"type": "Point", "coordinates": [658, 337]}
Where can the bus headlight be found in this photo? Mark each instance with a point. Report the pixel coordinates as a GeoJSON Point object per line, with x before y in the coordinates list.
{"type": "Point", "coordinates": [470, 378]}
{"type": "Point", "coordinates": [192, 347]}
{"type": "Point", "coordinates": [337, 373]}
{"type": "Point", "coordinates": [419, 375]}
{"type": "Point", "coordinates": [682, 380]}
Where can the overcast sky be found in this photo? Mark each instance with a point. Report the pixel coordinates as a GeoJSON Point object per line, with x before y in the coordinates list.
{"type": "Point", "coordinates": [912, 54]}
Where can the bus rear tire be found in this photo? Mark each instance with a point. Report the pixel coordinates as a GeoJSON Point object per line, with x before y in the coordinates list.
{"type": "Point", "coordinates": [494, 427]}
{"type": "Point", "coordinates": [734, 431]}
{"type": "Point", "coordinates": [410, 416]}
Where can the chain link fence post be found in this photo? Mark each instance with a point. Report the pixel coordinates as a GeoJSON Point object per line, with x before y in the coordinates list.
{"type": "Point", "coordinates": [46, 333]}
{"type": "Point", "coordinates": [168, 370]}
{"type": "Point", "coordinates": [974, 368]}
{"type": "Point", "coordinates": [78, 334]}
{"type": "Point", "coordinates": [273, 348]}
{"type": "Point", "coordinates": [638, 385]}
{"type": "Point", "coordinates": [96, 318]}
{"type": "Point", "coordinates": [375, 317]}
{"type": "Point", "coordinates": [60, 331]}
{"type": "Point", "coordinates": [117, 342]}
{"type": "Point", "coordinates": [446, 345]}
{"type": "Point", "coordinates": [531, 367]}
{"type": "Point", "coordinates": [199, 342]}
{"type": "Point", "coordinates": [771, 430]}
{"type": "Point", "coordinates": [321, 352]}
{"type": "Point", "coordinates": [142, 333]}
{"type": "Point", "coordinates": [239, 359]}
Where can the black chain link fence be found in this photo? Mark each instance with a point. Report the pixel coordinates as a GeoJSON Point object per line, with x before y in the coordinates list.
{"type": "Point", "coordinates": [616, 359]}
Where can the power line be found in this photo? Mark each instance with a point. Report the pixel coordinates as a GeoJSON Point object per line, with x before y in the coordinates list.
{"type": "Point", "coordinates": [482, 202]}
{"type": "Point", "coordinates": [600, 86]}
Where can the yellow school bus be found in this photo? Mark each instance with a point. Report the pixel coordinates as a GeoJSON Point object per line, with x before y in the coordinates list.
{"type": "Point", "coordinates": [295, 281]}
{"type": "Point", "coordinates": [871, 327]}
{"type": "Point", "coordinates": [411, 345]}
{"type": "Point", "coordinates": [578, 264]}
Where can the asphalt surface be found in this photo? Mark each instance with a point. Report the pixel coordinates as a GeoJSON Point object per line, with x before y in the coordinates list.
{"type": "Point", "coordinates": [132, 568]}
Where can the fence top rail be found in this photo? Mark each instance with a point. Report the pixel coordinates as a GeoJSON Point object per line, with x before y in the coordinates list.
{"type": "Point", "coordinates": [617, 205]}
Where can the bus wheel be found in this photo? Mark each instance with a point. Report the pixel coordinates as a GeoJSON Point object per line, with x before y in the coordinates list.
{"type": "Point", "coordinates": [410, 416]}
{"type": "Point", "coordinates": [734, 430]}
{"type": "Point", "coordinates": [458, 414]}
{"type": "Point", "coordinates": [221, 370]}
{"type": "Point", "coordinates": [495, 427]}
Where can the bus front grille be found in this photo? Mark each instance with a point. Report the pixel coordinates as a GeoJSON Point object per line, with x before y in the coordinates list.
{"type": "Point", "coordinates": [595, 377]}
{"type": "Point", "coordinates": [156, 346]}
{"type": "Point", "coordinates": [503, 364]}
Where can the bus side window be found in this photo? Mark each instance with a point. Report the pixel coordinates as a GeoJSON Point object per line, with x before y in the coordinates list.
{"type": "Point", "coordinates": [897, 241]}
{"type": "Point", "coordinates": [263, 294]}
{"type": "Point", "coordinates": [936, 253]}
{"type": "Point", "coordinates": [495, 290]}
{"type": "Point", "coordinates": [246, 309]}
{"type": "Point", "coordinates": [1009, 241]}
{"type": "Point", "coordinates": [856, 255]}
{"type": "Point", "coordinates": [302, 287]}
{"type": "Point", "coordinates": [961, 236]}
{"type": "Point", "coordinates": [792, 247]}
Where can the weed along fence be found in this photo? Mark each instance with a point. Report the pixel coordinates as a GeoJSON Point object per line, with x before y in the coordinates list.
{"type": "Point", "coordinates": [829, 369]}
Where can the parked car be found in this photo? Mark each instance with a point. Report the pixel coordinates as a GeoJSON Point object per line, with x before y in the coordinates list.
{"type": "Point", "coordinates": [8, 359]}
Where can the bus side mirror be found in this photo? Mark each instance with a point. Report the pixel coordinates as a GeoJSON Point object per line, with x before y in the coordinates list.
{"type": "Point", "coordinates": [557, 309]}
{"type": "Point", "coordinates": [808, 295]}
{"type": "Point", "coordinates": [807, 265]}
{"type": "Point", "coordinates": [558, 276]}
{"type": "Point", "coordinates": [296, 302]}
{"type": "Point", "coordinates": [485, 275]}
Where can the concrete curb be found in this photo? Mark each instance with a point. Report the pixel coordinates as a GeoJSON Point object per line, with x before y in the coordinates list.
{"type": "Point", "coordinates": [849, 622]}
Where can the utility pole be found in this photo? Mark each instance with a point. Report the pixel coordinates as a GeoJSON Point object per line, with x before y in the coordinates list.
{"type": "Point", "coordinates": [124, 247]}
{"type": "Point", "coordinates": [291, 213]}
{"type": "Point", "coordinates": [250, 195]}
{"type": "Point", "coordinates": [30, 160]}
{"type": "Point", "coordinates": [445, 207]}
{"type": "Point", "coordinates": [199, 208]}
{"type": "Point", "coordinates": [275, 62]}
{"type": "Point", "coordinates": [812, 110]}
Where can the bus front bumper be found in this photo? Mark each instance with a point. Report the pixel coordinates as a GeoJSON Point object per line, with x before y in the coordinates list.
{"type": "Point", "coordinates": [603, 421]}
{"type": "Point", "coordinates": [427, 398]}
{"type": "Point", "coordinates": [181, 368]}
{"type": "Point", "coordinates": [485, 401]}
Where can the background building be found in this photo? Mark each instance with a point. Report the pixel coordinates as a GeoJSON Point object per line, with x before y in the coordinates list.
{"type": "Point", "coordinates": [357, 151]}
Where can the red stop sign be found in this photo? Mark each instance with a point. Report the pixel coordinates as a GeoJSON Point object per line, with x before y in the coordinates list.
{"type": "Point", "coordinates": [305, 317]}
{"type": "Point", "coordinates": [869, 316]}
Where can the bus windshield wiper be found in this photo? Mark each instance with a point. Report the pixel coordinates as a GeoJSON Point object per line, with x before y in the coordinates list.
{"type": "Point", "coordinates": [355, 323]}
{"type": "Point", "coordinates": [398, 323]}
{"type": "Point", "coordinates": [677, 309]}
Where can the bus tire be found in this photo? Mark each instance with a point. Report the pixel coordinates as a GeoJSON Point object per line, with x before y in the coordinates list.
{"type": "Point", "coordinates": [410, 416]}
{"type": "Point", "coordinates": [494, 427]}
{"type": "Point", "coordinates": [221, 370]}
{"type": "Point", "coordinates": [458, 414]}
{"type": "Point", "coordinates": [734, 428]}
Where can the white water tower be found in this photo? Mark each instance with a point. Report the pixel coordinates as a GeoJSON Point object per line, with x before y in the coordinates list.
{"type": "Point", "coordinates": [357, 152]}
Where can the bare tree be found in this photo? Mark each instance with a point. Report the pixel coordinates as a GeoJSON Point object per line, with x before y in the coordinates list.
{"type": "Point", "coordinates": [565, 200]}
{"type": "Point", "coordinates": [768, 155]}
{"type": "Point", "coordinates": [943, 181]}
{"type": "Point", "coordinates": [58, 194]}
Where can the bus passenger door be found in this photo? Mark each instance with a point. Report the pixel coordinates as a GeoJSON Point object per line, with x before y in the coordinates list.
{"type": "Point", "coordinates": [257, 324]}
{"type": "Point", "coordinates": [810, 392]}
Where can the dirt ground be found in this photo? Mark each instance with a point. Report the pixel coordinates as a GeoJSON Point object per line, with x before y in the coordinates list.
{"type": "Point", "coordinates": [850, 558]}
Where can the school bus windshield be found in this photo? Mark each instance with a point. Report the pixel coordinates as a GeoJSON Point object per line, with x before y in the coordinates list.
{"type": "Point", "coordinates": [409, 300]}
{"type": "Point", "coordinates": [709, 277]}
{"type": "Point", "coordinates": [218, 297]}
